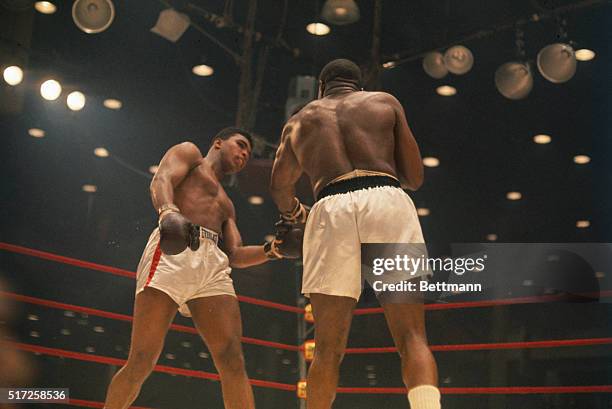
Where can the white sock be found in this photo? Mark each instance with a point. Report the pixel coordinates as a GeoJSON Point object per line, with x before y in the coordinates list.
{"type": "Point", "coordinates": [424, 397]}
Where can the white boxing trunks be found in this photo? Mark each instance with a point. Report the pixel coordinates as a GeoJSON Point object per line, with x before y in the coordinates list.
{"type": "Point", "coordinates": [188, 275]}
{"type": "Point", "coordinates": [337, 225]}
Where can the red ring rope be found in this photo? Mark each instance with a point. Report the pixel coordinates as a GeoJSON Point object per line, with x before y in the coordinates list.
{"type": "Point", "coordinates": [284, 307]}
{"type": "Point", "coordinates": [91, 404]}
{"type": "Point", "coordinates": [122, 317]}
{"type": "Point", "coordinates": [158, 368]}
{"type": "Point", "coordinates": [504, 390]}
{"type": "Point", "coordinates": [358, 350]}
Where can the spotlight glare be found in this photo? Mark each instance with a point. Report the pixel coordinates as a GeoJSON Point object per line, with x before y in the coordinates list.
{"type": "Point", "coordinates": [318, 29]}
{"type": "Point", "coordinates": [101, 152]}
{"type": "Point", "coordinates": [431, 162]}
{"type": "Point", "coordinates": [390, 64]}
{"type": "Point", "coordinates": [492, 237]}
{"type": "Point", "coordinates": [50, 90]}
{"type": "Point", "coordinates": [45, 7]}
{"type": "Point", "coordinates": [583, 224]}
{"type": "Point", "coordinates": [514, 196]}
{"type": "Point", "coordinates": [584, 54]}
{"type": "Point", "coordinates": [112, 103]}
{"type": "Point", "coordinates": [423, 211]}
{"type": "Point", "coordinates": [13, 75]}
{"type": "Point", "coordinates": [90, 188]}
{"type": "Point", "coordinates": [203, 70]}
{"type": "Point", "coordinates": [446, 90]}
{"type": "Point", "coordinates": [256, 200]}
{"type": "Point", "coordinates": [581, 159]}
{"type": "Point", "coordinates": [75, 101]}
{"type": "Point", "coordinates": [36, 132]}
{"type": "Point", "coordinates": [542, 139]}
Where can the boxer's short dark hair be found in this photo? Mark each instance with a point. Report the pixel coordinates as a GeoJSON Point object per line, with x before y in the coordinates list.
{"type": "Point", "coordinates": [226, 133]}
{"type": "Point", "coordinates": [341, 69]}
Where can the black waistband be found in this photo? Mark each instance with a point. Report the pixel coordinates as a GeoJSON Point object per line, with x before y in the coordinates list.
{"type": "Point", "coordinates": [358, 183]}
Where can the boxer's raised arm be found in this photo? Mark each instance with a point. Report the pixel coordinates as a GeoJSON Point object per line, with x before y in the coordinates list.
{"type": "Point", "coordinates": [173, 168]}
{"type": "Point", "coordinates": [286, 171]}
{"type": "Point", "coordinates": [407, 155]}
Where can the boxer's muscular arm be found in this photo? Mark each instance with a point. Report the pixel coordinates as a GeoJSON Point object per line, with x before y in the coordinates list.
{"type": "Point", "coordinates": [285, 171]}
{"type": "Point", "coordinates": [407, 155]}
{"type": "Point", "coordinates": [173, 168]}
{"type": "Point", "coordinates": [240, 256]}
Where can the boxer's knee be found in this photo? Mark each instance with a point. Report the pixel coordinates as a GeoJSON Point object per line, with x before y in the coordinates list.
{"type": "Point", "coordinates": [140, 364]}
{"type": "Point", "coordinates": [229, 358]}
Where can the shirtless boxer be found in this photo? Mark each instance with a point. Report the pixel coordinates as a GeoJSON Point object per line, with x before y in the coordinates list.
{"type": "Point", "coordinates": [195, 212]}
{"type": "Point", "coordinates": [357, 149]}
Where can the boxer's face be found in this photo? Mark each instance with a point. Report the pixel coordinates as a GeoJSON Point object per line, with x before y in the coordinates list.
{"type": "Point", "coordinates": [235, 153]}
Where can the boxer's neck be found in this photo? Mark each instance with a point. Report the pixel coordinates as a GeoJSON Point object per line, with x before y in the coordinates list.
{"type": "Point", "coordinates": [213, 157]}
{"type": "Point", "coordinates": [339, 88]}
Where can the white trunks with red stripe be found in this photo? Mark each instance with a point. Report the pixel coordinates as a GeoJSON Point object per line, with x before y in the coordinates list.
{"type": "Point", "coordinates": [188, 275]}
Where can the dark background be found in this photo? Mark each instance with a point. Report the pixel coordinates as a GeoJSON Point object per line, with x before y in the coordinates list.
{"type": "Point", "coordinates": [483, 141]}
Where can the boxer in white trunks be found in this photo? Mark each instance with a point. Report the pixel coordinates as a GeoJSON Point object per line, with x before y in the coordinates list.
{"type": "Point", "coordinates": [358, 151]}
{"type": "Point", "coordinates": [183, 268]}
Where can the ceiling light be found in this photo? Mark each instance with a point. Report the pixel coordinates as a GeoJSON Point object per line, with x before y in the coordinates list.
{"type": "Point", "coordinates": [600, 274]}
{"type": "Point", "coordinates": [33, 317]}
{"type": "Point", "coordinates": [340, 12]}
{"type": "Point", "coordinates": [431, 162]}
{"type": "Point", "coordinates": [36, 133]}
{"type": "Point", "coordinates": [75, 101]}
{"type": "Point", "coordinates": [98, 329]}
{"type": "Point", "coordinates": [45, 7]}
{"type": "Point", "coordinates": [542, 139]}
{"type": "Point", "coordinates": [423, 211]}
{"type": "Point", "coordinates": [433, 65]}
{"type": "Point", "coordinates": [581, 159]}
{"type": "Point", "coordinates": [203, 70]}
{"type": "Point", "coordinates": [34, 334]}
{"type": "Point", "coordinates": [458, 59]}
{"type": "Point", "coordinates": [170, 356]}
{"type": "Point", "coordinates": [101, 152]}
{"type": "Point", "coordinates": [68, 314]}
{"type": "Point", "coordinates": [90, 188]}
{"type": "Point", "coordinates": [203, 355]}
{"type": "Point", "coordinates": [583, 224]}
{"type": "Point", "coordinates": [514, 195]}
{"type": "Point", "coordinates": [584, 54]}
{"type": "Point", "coordinates": [50, 90]}
{"type": "Point", "coordinates": [153, 169]}
{"type": "Point", "coordinates": [557, 62]}
{"type": "Point", "coordinates": [492, 237]}
{"type": "Point", "coordinates": [186, 344]}
{"type": "Point", "coordinates": [318, 29]}
{"type": "Point", "coordinates": [446, 90]}
{"type": "Point", "coordinates": [90, 349]}
{"type": "Point", "coordinates": [13, 75]}
{"type": "Point", "coordinates": [256, 200]}
{"type": "Point", "coordinates": [112, 103]}
{"type": "Point", "coordinates": [390, 64]}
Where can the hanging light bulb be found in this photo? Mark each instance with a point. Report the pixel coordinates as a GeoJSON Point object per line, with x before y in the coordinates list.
{"type": "Point", "coordinates": [514, 80]}
{"type": "Point", "coordinates": [433, 64]}
{"type": "Point", "coordinates": [458, 59]}
{"type": "Point", "coordinates": [557, 62]}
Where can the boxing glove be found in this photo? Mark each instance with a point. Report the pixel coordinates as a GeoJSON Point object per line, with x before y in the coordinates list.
{"type": "Point", "coordinates": [177, 233]}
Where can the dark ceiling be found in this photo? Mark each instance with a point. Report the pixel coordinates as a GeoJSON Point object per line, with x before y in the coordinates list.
{"type": "Point", "coordinates": [484, 143]}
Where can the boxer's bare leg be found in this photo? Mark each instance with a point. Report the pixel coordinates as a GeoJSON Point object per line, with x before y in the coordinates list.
{"type": "Point", "coordinates": [217, 319]}
{"type": "Point", "coordinates": [153, 314]}
{"type": "Point", "coordinates": [333, 317]}
{"type": "Point", "coordinates": [406, 322]}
